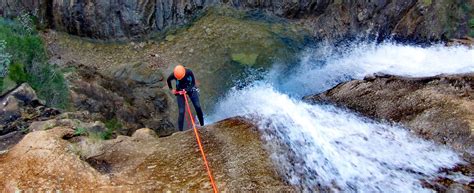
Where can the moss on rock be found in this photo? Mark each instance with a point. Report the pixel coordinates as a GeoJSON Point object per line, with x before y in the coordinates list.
{"type": "Point", "coordinates": [244, 58]}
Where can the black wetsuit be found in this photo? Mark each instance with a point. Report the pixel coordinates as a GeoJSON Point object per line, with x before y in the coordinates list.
{"type": "Point", "coordinates": [187, 83]}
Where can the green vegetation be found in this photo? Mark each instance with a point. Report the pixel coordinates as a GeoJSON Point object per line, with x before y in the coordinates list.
{"type": "Point", "coordinates": [103, 135]}
{"type": "Point", "coordinates": [16, 72]}
{"type": "Point", "coordinates": [8, 84]}
{"type": "Point", "coordinates": [5, 59]}
{"type": "Point", "coordinates": [467, 10]}
{"type": "Point", "coordinates": [471, 27]}
{"type": "Point", "coordinates": [23, 58]}
{"type": "Point", "coordinates": [112, 125]}
{"type": "Point", "coordinates": [427, 2]}
{"type": "Point", "coordinates": [24, 130]}
{"type": "Point", "coordinates": [80, 131]}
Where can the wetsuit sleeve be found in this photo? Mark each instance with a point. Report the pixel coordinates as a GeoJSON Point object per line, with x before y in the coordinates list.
{"type": "Point", "coordinates": [193, 82]}
{"type": "Point", "coordinates": [170, 78]}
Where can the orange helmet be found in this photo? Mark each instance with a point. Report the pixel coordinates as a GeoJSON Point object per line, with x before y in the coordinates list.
{"type": "Point", "coordinates": [179, 72]}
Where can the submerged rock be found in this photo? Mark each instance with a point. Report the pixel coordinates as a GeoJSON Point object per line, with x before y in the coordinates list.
{"type": "Point", "coordinates": [142, 162]}
{"type": "Point", "coordinates": [440, 108]}
{"type": "Point", "coordinates": [245, 59]}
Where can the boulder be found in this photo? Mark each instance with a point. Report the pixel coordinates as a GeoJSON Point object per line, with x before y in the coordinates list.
{"type": "Point", "coordinates": [138, 73]}
{"type": "Point", "coordinates": [24, 94]}
{"type": "Point", "coordinates": [144, 134]}
{"type": "Point", "coordinates": [11, 104]}
{"type": "Point", "coordinates": [44, 161]}
{"type": "Point", "coordinates": [10, 111]}
{"type": "Point", "coordinates": [439, 108]}
{"type": "Point", "coordinates": [18, 109]}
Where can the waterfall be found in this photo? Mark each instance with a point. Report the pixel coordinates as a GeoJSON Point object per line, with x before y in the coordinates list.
{"type": "Point", "coordinates": [322, 147]}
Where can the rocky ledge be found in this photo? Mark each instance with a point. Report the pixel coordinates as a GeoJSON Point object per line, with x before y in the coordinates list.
{"type": "Point", "coordinates": [440, 108]}
{"type": "Point", "coordinates": [63, 159]}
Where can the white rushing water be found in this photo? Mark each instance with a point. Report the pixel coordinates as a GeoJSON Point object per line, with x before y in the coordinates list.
{"type": "Point", "coordinates": [326, 66]}
{"type": "Point", "coordinates": [324, 147]}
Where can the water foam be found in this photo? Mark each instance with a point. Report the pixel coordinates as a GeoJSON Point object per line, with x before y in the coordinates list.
{"type": "Point", "coordinates": [321, 147]}
{"type": "Point", "coordinates": [324, 67]}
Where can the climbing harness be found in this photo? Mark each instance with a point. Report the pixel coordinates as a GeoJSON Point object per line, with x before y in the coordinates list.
{"type": "Point", "coordinates": [198, 139]}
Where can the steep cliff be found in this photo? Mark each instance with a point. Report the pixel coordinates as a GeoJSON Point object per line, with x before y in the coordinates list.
{"type": "Point", "coordinates": [413, 19]}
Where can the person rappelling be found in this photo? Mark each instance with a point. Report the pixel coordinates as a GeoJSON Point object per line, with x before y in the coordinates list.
{"type": "Point", "coordinates": [185, 84]}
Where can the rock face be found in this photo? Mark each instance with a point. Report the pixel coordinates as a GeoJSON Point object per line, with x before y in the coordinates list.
{"type": "Point", "coordinates": [132, 95]}
{"type": "Point", "coordinates": [418, 20]}
{"type": "Point", "coordinates": [440, 108]}
{"type": "Point", "coordinates": [414, 19]}
{"type": "Point", "coordinates": [142, 162]}
{"type": "Point", "coordinates": [18, 109]}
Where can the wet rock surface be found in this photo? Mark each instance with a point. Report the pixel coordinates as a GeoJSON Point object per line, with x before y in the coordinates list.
{"type": "Point", "coordinates": [142, 162]}
{"type": "Point", "coordinates": [414, 19]}
{"type": "Point", "coordinates": [439, 108]}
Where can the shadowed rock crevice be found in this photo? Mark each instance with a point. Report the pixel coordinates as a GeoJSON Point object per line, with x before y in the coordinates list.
{"type": "Point", "coordinates": [101, 166]}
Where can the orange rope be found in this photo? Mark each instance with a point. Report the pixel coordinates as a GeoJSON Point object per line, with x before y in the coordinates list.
{"type": "Point", "coordinates": [214, 187]}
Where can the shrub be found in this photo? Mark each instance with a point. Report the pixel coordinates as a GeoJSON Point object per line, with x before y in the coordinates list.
{"type": "Point", "coordinates": [104, 135]}
{"type": "Point", "coordinates": [112, 125]}
{"type": "Point", "coordinates": [471, 27]}
{"type": "Point", "coordinates": [23, 48]}
{"type": "Point", "coordinates": [80, 131]}
{"type": "Point", "coordinates": [16, 72]}
{"type": "Point", "coordinates": [5, 58]}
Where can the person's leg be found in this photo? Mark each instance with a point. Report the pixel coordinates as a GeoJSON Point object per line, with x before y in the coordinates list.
{"type": "Point", "coordinates": [197, 106]}
{"type": "Point", "coordinates": [181, 108]}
